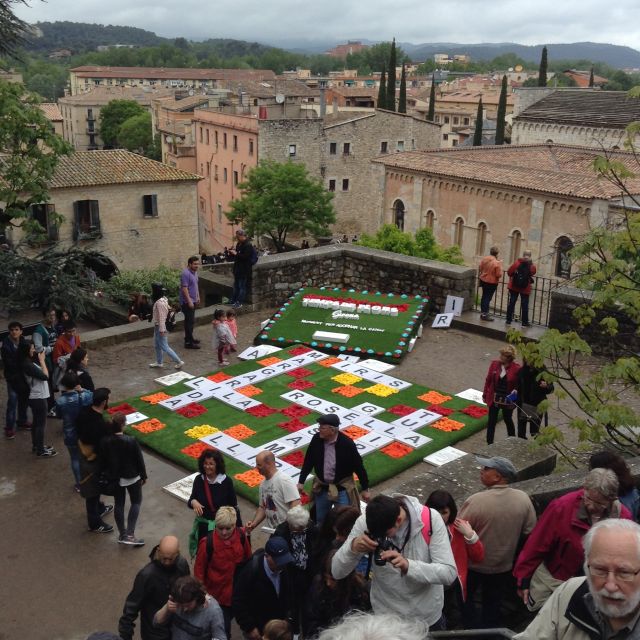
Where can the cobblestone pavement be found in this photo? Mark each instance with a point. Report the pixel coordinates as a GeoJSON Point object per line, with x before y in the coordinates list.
{"type": "Point", "coordinates": [60, 582]}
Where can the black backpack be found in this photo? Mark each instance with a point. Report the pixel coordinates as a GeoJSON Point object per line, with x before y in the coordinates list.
{"type": "Point", "coordinates": [170, 322]}
{"type": "Point", "coordinates": [521, 276]}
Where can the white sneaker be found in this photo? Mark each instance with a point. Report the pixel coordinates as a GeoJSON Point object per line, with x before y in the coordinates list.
{"type": "Point", "coordinates": [156, 365]}
{"type": "Point", "coordinates": [179, 365]}
{"type": "Point", "coordinates": [224, 363]}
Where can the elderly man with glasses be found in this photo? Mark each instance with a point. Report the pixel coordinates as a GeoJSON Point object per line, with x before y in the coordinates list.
{"type": "Point", "coordinates": [606, 603]}
{"type": "Point", "coordinates": [553, 551]}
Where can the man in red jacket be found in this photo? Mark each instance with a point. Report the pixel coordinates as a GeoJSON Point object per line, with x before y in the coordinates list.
{"type": "Point", "coordinates": [521, 274]}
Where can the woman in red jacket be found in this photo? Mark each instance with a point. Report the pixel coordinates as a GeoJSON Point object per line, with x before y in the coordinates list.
{"type": "Point", "coordinates": [502, 379]}
{"type": "Point", "coordinates": [217, 558]}
{"type": "Point", "coordinates": [466, 546]}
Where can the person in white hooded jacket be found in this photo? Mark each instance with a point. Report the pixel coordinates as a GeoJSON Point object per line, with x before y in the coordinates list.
{"type": "Point", "coordinates": [418, 558]}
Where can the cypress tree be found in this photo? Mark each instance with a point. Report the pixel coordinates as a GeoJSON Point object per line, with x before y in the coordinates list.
{"type": "Point", "coordinates": [542, 71]}
{"type": "Point", "coordinates": [402, 101]}
{"type": "Point", "coordinates": [477, 134]}
{"type": "Point", "coordinates": [502, 112]}
{"type": "Point", "coordinates": [591, 79]}
{"type": "Point", "coordinates": [432, 99]}
{"type": "Point", "coordinates": [391, 78]}
{"type": "Point", "coordinates": [382, 92]}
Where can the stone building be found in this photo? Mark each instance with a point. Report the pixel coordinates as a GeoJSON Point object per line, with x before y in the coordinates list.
{"type": "Point", "coordinates": [541, 197]}
{"type": "Point", "coordinates": [337, 149]}
{"type": "Point", "coordinates": [139, 212]}
{"type": "Point", "coordinates": [589, 118]}
{"type": "Point", "coordinates": [53, 114]}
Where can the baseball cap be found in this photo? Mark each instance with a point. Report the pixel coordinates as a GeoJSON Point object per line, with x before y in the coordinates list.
{"type": "Point", "coordinates": [278, 549]}
{"type": "Point", "coordinates": [331, 419]}
{"type": "Point", "coordinates": [502, 465]}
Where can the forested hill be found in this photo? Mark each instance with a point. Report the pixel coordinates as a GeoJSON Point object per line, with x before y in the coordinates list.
{"type": "Point", "coordinates": [81, 37]}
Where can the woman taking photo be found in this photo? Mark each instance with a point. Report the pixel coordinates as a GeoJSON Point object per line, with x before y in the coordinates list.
{"type": "Point", "coordinates": [502, 379]}
{"type": "Point", "coordinates": [78, 363]}
{"type": "Point", "coordinates": [212, 489]}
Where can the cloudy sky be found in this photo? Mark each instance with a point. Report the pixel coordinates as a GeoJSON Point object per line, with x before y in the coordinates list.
{"type": "Point", "coordinates": [416, 21]}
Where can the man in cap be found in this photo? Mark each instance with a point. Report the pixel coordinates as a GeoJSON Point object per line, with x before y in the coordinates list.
{"type": "Point", "coordinates": [243, 261]}
{"type": "Point", "coordinates": [334, 458]}
{"type": "Point", "coordinates": [605, 603]}
{"type": "Point", "coordinates": [262, 590]}
{"type": "Point", "coordinates": [501, 516]}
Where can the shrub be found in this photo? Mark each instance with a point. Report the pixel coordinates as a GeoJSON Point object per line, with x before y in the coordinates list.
{"type": "Point", "coordinates": [122, 285]}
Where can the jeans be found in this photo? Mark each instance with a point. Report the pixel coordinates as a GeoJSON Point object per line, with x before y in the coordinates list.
{"type": "Point", "coordinates": [189, 321]}
{"type": "Point", "coordinates": [161, 344]}
{"type": "Point", "coordinates": [524, 306]}
{"type": "Point", "coordinates": [487, 293]}
{"type": "Point", "coordinates": [39, 409]}
{"type": "Point", "coordinates": [239, 294]}
{"type": "Point", "coordinates": [494, 589]}
{"type": "Point", "coordinates": [15, 405]}
{"type": "Point", "coordinates": [71, 442]}
{"type": "Point", "coordinates": [135, 498]}
{"type": "Point", "coordinates": [324, 505]}
{"type": "Point", "coordinates": [492, 420]}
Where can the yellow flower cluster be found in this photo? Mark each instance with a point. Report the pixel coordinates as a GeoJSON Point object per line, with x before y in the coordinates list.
{"type": "Point", "coordinates": [381, 390]}
{"type": "Point", "coordinates": [200, 431]}
{"type": "Point", "coordinates": [346, 378]}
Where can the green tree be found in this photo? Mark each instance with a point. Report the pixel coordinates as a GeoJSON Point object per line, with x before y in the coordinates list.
{"type": "Point", "coordinates": [113, 115]}
{"type": "Point", "coordinates": [281, 198]}
{"type": "Point", "coordinates": [382, 91]}
{"type": "Point", "coordinates": [402, 100]}
{"type": "Point", "coordinates": [477, 134]}
{"type": "Point", "coordinates": [542, 71]}
{"type": "Point", "coordinates": [29, 154]}
{"type": "Point", "coordinates": [432, 99]}
{"type": "Point", "coordinates": [591, 78]}
{"type": "Point", "coordinates": [135, 133]}
{"type": "Point", "coordinates": [391, 78]}
{"type": "Point", "coordinates": [502, 112]}
{"type": "Point", "coordinates": [12, 29]}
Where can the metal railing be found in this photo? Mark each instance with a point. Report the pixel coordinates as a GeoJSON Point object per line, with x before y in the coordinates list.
{"type": "Point", "coordinates": [539, 299]}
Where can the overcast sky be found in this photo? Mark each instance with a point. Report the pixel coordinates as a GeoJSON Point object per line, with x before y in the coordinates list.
{"type": "Point", "coordinates": [416, 21]}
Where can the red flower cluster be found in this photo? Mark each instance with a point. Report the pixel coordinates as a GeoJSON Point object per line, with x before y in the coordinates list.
{"type": "Point", "coordinates": [304, 498]}
{"type": "Point", "coordinates": [295, 411]}
{"type": "Point", "coordinates": [396, 450]}
{"type": "Point", "coordinates": [300, 372]}
{"type": "Point", "coordinates": [299, 351]}
{"type": "Point", "coordinates": [475, 411]}
{"type": "Point", "coordinates": [192, 410]}
{"type": "Point", "coordinates": [443, 411]}
{"type": "Point", "coordinates": [296, 458]}
{"type": "Point", "coordinates": [125, 408]}
{"type": "Point", "coordinates": [194, 450]}
{"type": "Point", "coordinates": [401, 409]}
{"type": "Point", "coordinates": [301, 384]}
{"type": "Point", "coordinates": [261, 411]}
{"type": "Point", "coordinates": [221, 376]}
{"type": "Point", "coordinates": [400, 307]}
{"type": "Point", "coordinates": [293, 425]}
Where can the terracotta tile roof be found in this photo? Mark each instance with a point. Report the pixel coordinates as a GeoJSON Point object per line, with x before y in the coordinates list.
{"type": "Point", "coordinates": [105, 94]}
{"type": "Point", "coordinates": [160, 73]}
{"type": "Point", "coordinates": [51, 111]}
{"type": "Point", "coordinates": [355, 92]}
{"type": "Point", "coordinates": [269, 89]}
{"type": "Point", "coordinates": [543, 168]}
{"type": "Point", "coordinates": [116, 166]}
{"type": "Point", "coordinates": [184, 104]}
{"type": "Point", "coordinates": [584, 108]}
{"type": "Point", "coordinates": [488, 97]}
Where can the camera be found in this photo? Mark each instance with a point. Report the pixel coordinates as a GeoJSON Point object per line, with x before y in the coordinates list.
{"type": "Point", "coordinates": [384, 544]}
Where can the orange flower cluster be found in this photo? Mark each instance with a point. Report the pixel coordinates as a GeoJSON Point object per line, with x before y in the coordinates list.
{"type": "Point", "coordinates": [154, 398]}
{"type": "Point", "coordinates": [249, 391]}
{"type": "Point", "coordinates": [348, 391]}
{"type": "Point", "coordinates": [267, 362]}
{"type": "Point", "coordinates": [396, 450]}
{"type": "Point", "coordinates": [355, 432]}
{"type": "Point", "coordinates": [240, 432]}
{"type": "Point", "coordinates": [149, 426]}
{"type": "Point", "coordinates": [195, 450]}
{"type": "Point", "coordinates": [433, 397]}
{"type": "Point", "coordinates": [221, 376]}
{"type": "Point", "coordinates": [327, 362]}
{"type": "Point", "coordinates": [447, 424]}
{"type": "Point", "coordinates": [251, 478]}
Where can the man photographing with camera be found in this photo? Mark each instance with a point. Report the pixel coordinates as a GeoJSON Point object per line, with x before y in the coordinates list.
{"type": "Point", "coordinates": [410, 557]}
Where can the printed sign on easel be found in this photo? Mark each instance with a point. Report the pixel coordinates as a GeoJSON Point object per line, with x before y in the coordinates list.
{"type": "Point", "coordinates": [454, 305]}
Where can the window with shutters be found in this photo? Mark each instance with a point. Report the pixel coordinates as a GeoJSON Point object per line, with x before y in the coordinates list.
{"type": "Point", "coordinates": [45, 216]}
{"type": "Point", "coordinates": [86, 215]}
{"type": "Point", "coordinates": [150, 205]}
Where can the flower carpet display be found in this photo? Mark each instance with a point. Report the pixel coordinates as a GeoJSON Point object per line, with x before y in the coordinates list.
{"type": "Point", "coordinates": [257, 405]}
{"type": "Point", "coordinates": [373, 324]}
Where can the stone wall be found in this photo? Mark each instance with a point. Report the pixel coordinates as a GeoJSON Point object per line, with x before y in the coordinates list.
{"type": "Point", "coordinates": [527, 132]}
{"type": "Point", "coordinates": [565, 300]}
{"type": "Point", "coordinates": [278, 276]}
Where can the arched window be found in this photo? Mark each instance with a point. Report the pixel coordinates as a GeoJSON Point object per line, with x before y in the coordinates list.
{"type": "Point", "coordinates": [481, 239]}
{"type": "Point", "coordinates": [398, 214]}
{"type": "Point", "coordinates": [563, 258]}
{"type": "Point", "coordinates": [427, 219]}
{"type": "Point", "coordinates": [516, 246]}
{"type": "Point", "coordinates": [458, 231]}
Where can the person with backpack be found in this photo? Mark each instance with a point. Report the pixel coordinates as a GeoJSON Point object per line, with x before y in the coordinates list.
{"type": "Point", "coordinates": [245, 256]}
{"type": "Point", "coordinates": [410, 558]}
{"type": "Point", "coordinates": [219, 553]}
{"type": "Point", "coordinates": [161, 316]}
{"type": "Point", "coordinates": [520, 274]}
